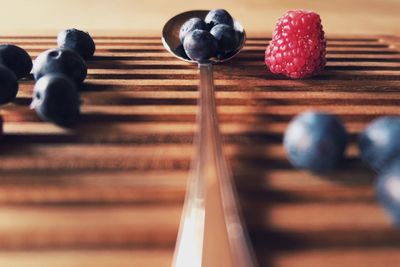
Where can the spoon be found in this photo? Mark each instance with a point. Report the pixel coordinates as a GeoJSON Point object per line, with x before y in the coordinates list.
{"type": "Point", "coordinates": [211, 232]}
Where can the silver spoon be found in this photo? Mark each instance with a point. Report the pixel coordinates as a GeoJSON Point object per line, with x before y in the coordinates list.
{"type": "Point", "coordinates": [211, 232]}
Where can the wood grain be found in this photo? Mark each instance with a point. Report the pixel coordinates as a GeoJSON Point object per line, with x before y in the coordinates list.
{"type": "Point", "coordinates": [109, 191]}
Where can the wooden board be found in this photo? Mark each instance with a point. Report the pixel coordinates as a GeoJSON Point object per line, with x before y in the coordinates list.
{"type": "Point", "coordinates": [110, 191]}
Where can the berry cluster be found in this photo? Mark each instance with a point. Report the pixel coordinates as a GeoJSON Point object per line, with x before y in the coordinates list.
{"type": "Point", "coordinates": [380, 148]}
{"type": "Point", "coordinates": [317, 141]}
{"type": "Point", "coordinates": [59, 73]}
{"type": "Point", "coordinates": [215, 36]}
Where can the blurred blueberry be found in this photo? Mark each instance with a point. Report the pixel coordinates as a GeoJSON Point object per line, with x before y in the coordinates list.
{"type": "Point", "coordinates": [388, 190]}
{"type": "Point", "coordinates": [60, 60]}
{"type": "Point", "coordinates": [79, 41]}
{"type": "Point", "coordinates": [200, 45]}
{"type": "Point", "coordinates": [8, 85]}
{"type": "Point", "coordinates": [16, 59]}
{"type": "Point", "coordinates": [191, 25]}
{"type": "Point", "coordinates": [379, 143]}
{"type": "Point", "coordinates": [218, 16]}
{"type": "Point", "coordinates": [315, 141]}
{"type": "Point", "coordinates": [56, 99]}
{"type": "Point", "coordinates": [1, 127]}
{"type": "Point", "coordinates": [227, 38]}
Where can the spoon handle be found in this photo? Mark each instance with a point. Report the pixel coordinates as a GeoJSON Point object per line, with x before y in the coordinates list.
{"type": "Point", "coordinates": [211, 232]}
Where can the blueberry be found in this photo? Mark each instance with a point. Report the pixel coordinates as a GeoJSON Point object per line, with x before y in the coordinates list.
{"type": "Point", "coordinates": [179, 50]}
{"type": "Point", "coordinates": [200, 45]}
{"type": "Point", "coordinates": [79, 41]}
{"type": "Point", "coordinates": [388, 190]}
{"type": "Point", "coordinates": [227, 38]}
{"type": "Point", "coordinates": [315, 141]}
{"type": "Point", "coordinates": [8, 85]}
{"type": "Point", "coordinates": [1, 127]}
{"type": "Point", "coordinates": [191, 25]}
{"type": "Point", "coordinates": [16, 59]}
{"type": "Point", "coordinates": [219, 16]}
{"type": "Point", "coordinates": [60, 60]}
{"type": "Point", "coordinates": [379, 143]}
{"type": "Point", "coordinates": [56, 98]}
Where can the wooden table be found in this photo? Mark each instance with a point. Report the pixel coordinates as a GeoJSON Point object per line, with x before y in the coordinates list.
{"type": "Point", "coordinates": [110, 191]}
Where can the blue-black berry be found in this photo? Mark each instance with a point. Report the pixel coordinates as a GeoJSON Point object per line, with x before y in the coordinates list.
{"type": "Point", "coordinates": [388, 190]}
{"type": "Point", "coordinates": [200, 45]}
{"type": "Point", "coordinates": [56, 99]}
{"type": "Point", "coordinates": [79, 41]}
{"type": "Point", "coordinates": [16, 59]}
{"type": "Point", "coordinates": [218, 16]}
{"type": "Point", "coordinates": [8, 85]}
{"type": "Point", "coordinates": [191, 25]}
{"type": "Point", "coordinates": [379, 143]}
{"type": "Point", "coordinates": [228, 39]}
{"type": "Point", "coordinates": [315, 141]}
{"type": "Point", "coordinates": [60, 60]}
{"type": "Point", "coordinates": [1, 127]}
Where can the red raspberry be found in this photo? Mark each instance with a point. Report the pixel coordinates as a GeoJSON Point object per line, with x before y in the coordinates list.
{"type": "Point", "coordinates": [298, 45]}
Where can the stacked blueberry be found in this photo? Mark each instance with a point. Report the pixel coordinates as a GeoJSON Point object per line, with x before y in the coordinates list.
{"type": "Point", "coordinates": [215, 36]}
{"type": "Point", "coordinates": [380, 148]}
{"type": "Point", "coordinates": [15, 63]}
{"type": "Point", "coordinates": [60, 73]}
{"type": "Point", "coordinates": [79, 41]}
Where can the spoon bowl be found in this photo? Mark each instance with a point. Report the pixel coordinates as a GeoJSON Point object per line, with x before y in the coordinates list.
{"type": "Point", "coordinates": [171, 42]}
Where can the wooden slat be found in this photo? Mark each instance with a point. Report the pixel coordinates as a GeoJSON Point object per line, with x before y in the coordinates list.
{"type": "Point", "coordinates": [338, 257]}
{"type": "Point", "coordinates": [229, 113]}
{"type": "Point", "coordinates": [91, 226]}
{"type": "Point", "coordinates": [37, 227]}
{"type": "Point", "coordinates": [128, 156]}
{"type": "Point", "coordinates": [162, 258]}
{"type": "Point", "coordinates": [168, 186]}
{"type": "Point", "coordinates": [130, 131]}
{"type": "Point", "coordinates": [84, 258]}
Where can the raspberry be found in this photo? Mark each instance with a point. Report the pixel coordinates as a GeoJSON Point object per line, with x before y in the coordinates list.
{"type": "Point", "coordinates": [298, 45]}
